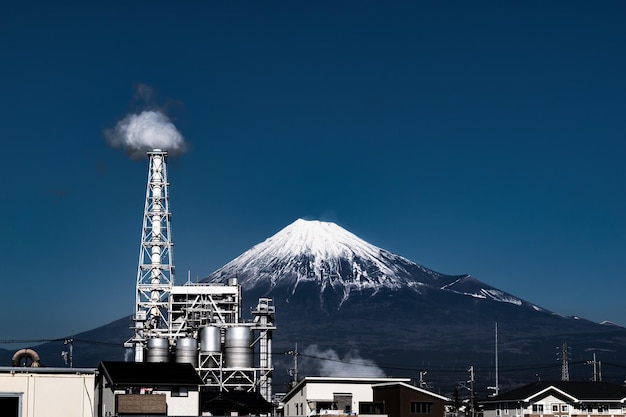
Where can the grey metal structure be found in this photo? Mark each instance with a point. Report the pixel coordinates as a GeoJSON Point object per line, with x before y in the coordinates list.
{"type": "Point", "coordinates": [155, 272]}
{"type": "Point", "coordinates": [197, 323]}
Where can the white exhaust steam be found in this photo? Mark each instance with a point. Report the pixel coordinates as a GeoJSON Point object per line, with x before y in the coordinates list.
{"type": "Point", "coordinates": [328, 363]}
{"type": "Point", "coordinates": [139, 133]}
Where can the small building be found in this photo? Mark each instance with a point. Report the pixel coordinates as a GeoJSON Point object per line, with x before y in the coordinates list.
{"type": "Point", "coordinates": [329, 395]}
{"type": "Point", "coordinates": [148, 388]}
{"type": "Point", "coordinates": [559, 399]}
{"type": "Point", "coordinates": [399, 399]}
{"type": "Point", "coordinates": [50, 392]}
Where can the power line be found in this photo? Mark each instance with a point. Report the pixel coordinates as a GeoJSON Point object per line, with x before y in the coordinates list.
{"type": "Point", "coordinates": [62, 339]}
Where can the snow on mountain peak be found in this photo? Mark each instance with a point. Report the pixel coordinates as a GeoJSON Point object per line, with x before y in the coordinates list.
{"type": "Point", "coordinates": [319, 239]}
{"type": "Point", "coordinates": [333, 259]}
{"type": "Point", "coordinates": [322, 252]}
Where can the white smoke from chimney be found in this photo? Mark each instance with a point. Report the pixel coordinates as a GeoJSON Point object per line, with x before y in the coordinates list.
{"type": "Point", "coordinates": [329, 364]}
{"type": "Point", "coordinates": [138, 133]}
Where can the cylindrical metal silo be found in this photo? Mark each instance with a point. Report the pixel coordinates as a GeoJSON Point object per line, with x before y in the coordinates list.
{"type": "Point", "coordinates": [187, 351]}
{"type": "Point", "coordinates": [238, 351]}
{"type": "Point", "coordinates": [158, 350]}
{"type": "Point", "coordinates": [210, 340]}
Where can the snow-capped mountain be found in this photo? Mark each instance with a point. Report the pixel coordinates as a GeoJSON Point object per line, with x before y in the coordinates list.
{"type": "Point", "coordinates": [338, 262]}
{"type": "Point", "coordinates": [335, 290]}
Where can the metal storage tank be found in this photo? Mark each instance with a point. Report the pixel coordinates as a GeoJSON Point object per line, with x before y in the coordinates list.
{"type": "Point", "coordinates": [158, 350]}
{"type": "Point", "coordinates": [210, 340]}
{"type": "Point", "coordinates": [187, 351]}
{"type": "Point", "coordinates": [237, 347]}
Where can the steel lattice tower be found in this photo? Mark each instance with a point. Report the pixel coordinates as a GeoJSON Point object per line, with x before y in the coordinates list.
{"type": "Point", "coordinates": [564, 362]}
{"type": "Point", "coordinates": [155, 272]}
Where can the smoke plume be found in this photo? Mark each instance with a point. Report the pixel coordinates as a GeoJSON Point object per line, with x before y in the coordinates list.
{"type": "Point", "coordinates": [138, 133]}
{"type": "Point", "coordinates": [328, 363]}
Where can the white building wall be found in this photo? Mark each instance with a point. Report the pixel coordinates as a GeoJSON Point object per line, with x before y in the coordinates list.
{"type": "Point", "coordinates": [182, 406]}
{"type": "Point", "coordinates": [554, 406]}
{"type": "Point", "coordinates": [176, 406]}
{"type": "Point", "coordinates": [298, 404]}
{"type": "Point", "coordinates": [51, 395]}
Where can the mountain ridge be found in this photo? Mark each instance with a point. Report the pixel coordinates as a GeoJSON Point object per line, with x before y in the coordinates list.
{"type": "Point", "coordinates": [403, 316]}
{"type": "Point", "coordinates": [326, 254]}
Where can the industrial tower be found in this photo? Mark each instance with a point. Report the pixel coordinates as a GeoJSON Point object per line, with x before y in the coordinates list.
{"type": "Point", "coordinates": [196, 323]}
{"type": "Point", "coordinates": [155, 272]}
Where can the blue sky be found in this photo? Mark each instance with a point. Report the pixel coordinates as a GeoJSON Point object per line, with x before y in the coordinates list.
{"type": "Point", "coordinates": [470, 137]}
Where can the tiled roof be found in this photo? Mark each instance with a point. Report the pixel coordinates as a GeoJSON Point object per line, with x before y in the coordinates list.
{"type": "Point", "coordinates": [581, 390]}
{"type": "Point", "coordinates": [129, 374]}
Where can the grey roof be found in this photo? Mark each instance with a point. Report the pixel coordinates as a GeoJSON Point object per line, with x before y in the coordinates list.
{"type": "Point", "coordinates": [580, 390]}
{"type": "Point", "coordinates": [129, 374]}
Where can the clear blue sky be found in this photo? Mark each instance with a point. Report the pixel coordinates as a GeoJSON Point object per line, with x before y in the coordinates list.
{"type": "Point", "coordinates": [486, 138]}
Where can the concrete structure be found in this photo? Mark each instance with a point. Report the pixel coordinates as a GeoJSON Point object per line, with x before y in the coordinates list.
{"type": "Point", "coordinates": [399, 399]}
{"type": "Point", "coordinates": [46, 392]}
{"type": "Point", "coordinates": [328, 395]}
{"type": "Point", "coordinates": [559, 399]}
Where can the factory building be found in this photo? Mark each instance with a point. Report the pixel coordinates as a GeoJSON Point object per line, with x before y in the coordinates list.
{"type": "Point", "coordinates": [196, 323]}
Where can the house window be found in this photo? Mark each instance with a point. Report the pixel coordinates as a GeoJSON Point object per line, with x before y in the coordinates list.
{"type": "Point", "coordinates": [538, 408]}
{"type": "Point", "coordinates": [10, 405]}
{"type": "Point", "coordinates": [421, 407]}
{"type": "Point", "coordinates": [555, 408]}
{"type": "Point", "coordinates": [564, 408]}
{"type": "Point", "coordinates": [603, 408]}
{"type": "Point", "coordinates": [180, 392]}
{"type": "Point", "coordinates": [371, 408]}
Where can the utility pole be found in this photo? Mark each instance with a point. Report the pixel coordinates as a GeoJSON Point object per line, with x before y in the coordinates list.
{"type": "Point", "coordinates": [294, 371]}
{"type": "Point", "coordinates": [68, 357]}
{"type": "Point", "coordinates": [471, 381]}
{"type": "Point", "coordinates": [597, 369]}
{"type": "Point", "coordinates": [496, 388]}
{"type": "Point", "coordinates": [422, 383]}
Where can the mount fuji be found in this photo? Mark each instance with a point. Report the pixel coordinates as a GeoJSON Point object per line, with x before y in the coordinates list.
{"type": "Point", "coordinates": [336, 291]}
{"type": "Point", "coordinates": [342, 266]}
{"type": "Point", "coordinates": [354, 309]}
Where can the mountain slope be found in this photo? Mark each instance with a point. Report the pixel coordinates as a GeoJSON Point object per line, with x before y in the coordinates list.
{"type": "Point", "coordinates": [334, 292]}
{"type": "Point", "coordinates": [340, 264]}
{"type": "Point", "coordinates": [333, 289]}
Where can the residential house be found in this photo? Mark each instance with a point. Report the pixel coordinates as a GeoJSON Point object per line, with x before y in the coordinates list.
{"type": "Point", "coordinates": [399, 399]}
{"type": "Point", "coordinates": [559, 399]}
{"type": "Point", "coordinates": [167, 389]}
{"type": "Point", "coordinates": [328, 395]}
